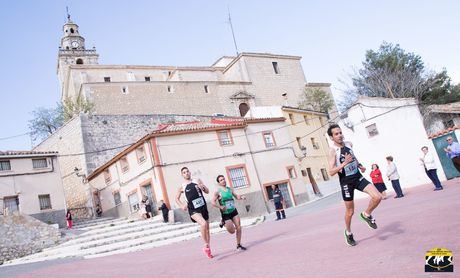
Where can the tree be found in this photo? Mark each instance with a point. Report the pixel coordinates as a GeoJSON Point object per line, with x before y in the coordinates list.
{"type": "Point", "coordinates": [391, 72]}
{"type": "Point", "coordinates": [73, 107]}
{"type": "Point", "coordinates": [45, 121]}
{"type": "Point", "coordinates": [316, 99]}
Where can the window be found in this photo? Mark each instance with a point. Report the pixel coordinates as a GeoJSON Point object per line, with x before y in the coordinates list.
{"type": "Point", "coordinates": [206, 89]}
{"type": "Point", "coordinates": [225, 137]}
{"type": "Point", "coordinates": [124, 164]}
{"type": "Point", "coordinates": [79, 61]}
{"type": "Point", "coordinates": [269, 139]}
{"type": "Point", "coordinates": [304, 173]}
{"type": "Point", "coordinates": [133, 202]}
{"type": "Point", "coordinates": [170, 89]}
{"type": "Point", "coordinates": [276, 68]}
{"type": "Point", "coordinates": [147, 78]}
{"type": "Point", "coordinates": [372, 130]}
{"type": "Point", "coordinates": [238, 177]}
{"type": "Point", "coordinates": [45, 201]}
{"type": "Point", "coordinates": [299, 143]}
{"type": "Point", "coordinates": [39, 163]}
{"type": "Point", "coordinates": [314, 144]}
{"type": "Point", "coordinates": [140, 153]}
{"type": "Point", "coordinates": [106, 79]}
{"type": "Point", "coordinates": [291, 172]}
{"type": "Point", "coordinates": [124, 90]}
{"type": "Point", "coordinates": [117, 197]}
{"type": "Point", "coordinates": [305, 118]}
{"type": "Point", "coordinates": [244, 108]}
{"type": "Point", "coordinates": [107, 176]}
{"type": "Point", "coordinates": [291, 118]}
{"type": "Point", "coordinates": [5, 165]}
{"type": "Point", "coordinates": [325, 175]}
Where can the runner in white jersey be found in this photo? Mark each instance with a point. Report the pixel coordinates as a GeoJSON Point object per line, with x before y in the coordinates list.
{"type": "Point", "coordinates": [343, 162]}
{"type": "Point", "coordinates": [196, 205]}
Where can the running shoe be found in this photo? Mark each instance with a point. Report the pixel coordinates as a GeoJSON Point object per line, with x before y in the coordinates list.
{"type": "Point", "coordinates": [370, 221]}
{"type": "Point", "coordinates": [240, 247]}
{"type": "Point", "coordinates": [207, 252]}
{"type": "Point", "coordinates": [349, 239]}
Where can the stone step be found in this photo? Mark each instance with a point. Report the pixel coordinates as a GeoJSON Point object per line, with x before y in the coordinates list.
{"type": "Point", "coordinates": [244, 222]}
{"type": "Point", "coordinates": [85, 237]}
{"type": "Point", "coordinates": [95, 224]}
{"type": "Point", "coordinates": [119, 226]}
{"type": "Point", "coordinates": [180, 232]}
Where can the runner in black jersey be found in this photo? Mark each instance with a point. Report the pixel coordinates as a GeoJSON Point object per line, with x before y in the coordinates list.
{"type": "Point", "coordinates": [343, 162]}
{"type": "Point", "coordinates": [196, 205]}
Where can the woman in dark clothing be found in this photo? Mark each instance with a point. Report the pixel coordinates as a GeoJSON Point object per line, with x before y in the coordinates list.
{"type": "Point", "coordinates": [164, 209]}
{"type": "Point", "coordinates": [377, 180]}
{"type": "Point", "coordinates": [68, 217]}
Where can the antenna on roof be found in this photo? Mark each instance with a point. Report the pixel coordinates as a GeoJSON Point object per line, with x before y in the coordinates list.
{"type": "Point", "coordinates": [233, 32]}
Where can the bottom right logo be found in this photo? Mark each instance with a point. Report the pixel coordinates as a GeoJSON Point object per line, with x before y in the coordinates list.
{"type": "Point", "coordinates": [439, 260]}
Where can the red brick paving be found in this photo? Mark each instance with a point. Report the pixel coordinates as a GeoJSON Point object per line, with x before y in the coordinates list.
{"type": "Point", "coordinates": [307, 245]}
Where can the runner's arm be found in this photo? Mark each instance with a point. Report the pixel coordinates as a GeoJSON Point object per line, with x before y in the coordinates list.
{"type": "Point", "coordinates": [333, 168]}
{"type": "Point", "coordinates": [215, 201]}
{"type": "Point", "coordinates": [202, 186]}
{"type": "Point", "coordinates": [238, 197]}
{"type": "Point", "coordinates": [178, 201]}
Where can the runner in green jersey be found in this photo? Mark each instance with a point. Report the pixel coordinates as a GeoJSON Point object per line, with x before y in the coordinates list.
{"type": "Point", "coordinates": [224, 199]}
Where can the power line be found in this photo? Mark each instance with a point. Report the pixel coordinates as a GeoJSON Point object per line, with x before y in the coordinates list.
{"type": "Point", "coordinates": [15, 136]}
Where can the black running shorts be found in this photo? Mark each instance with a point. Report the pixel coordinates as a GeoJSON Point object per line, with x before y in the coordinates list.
{"type": "Point", "coordinates": [203, 210]}
{"type": "Point", "coordinates": [348, 189]}
{"type": "Point", "coordinates": [279, 206]}
{"type": "Point", "coordinates": [229, 216]}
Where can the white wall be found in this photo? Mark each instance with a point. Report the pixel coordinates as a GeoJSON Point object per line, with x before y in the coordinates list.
{"type": "Point", "coordinates": [401, 135]}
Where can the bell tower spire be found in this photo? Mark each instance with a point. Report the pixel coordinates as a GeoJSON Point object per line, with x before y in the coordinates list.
{"type": "Point", "coordinates": [72, 51]}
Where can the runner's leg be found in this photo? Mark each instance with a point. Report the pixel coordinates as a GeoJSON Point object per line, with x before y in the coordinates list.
{"type": "Point", "coordinates": [349, 210]}
{"type": "Point", "coordinates": [376, 197]}
{"type": "Point", "coordinates": [204, 227]}
{"type": "Point", "coordinates": [237, 222]}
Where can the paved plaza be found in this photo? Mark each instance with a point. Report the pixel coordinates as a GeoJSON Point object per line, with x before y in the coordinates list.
{"type": "Point", "coordinates": [309, 243]}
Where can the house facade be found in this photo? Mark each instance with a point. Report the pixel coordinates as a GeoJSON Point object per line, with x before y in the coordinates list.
{"type": "Point", "coordinates": [30, 183]}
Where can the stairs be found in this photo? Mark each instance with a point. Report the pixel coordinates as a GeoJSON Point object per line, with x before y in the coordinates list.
{"type": "Point", "coordinates": [109, 236]}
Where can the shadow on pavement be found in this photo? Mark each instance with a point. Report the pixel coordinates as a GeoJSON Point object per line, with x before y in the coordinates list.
{"type": "Point", "coordinates": [386, 232]}
{"type": "Point", "coordinates": [224, 255]}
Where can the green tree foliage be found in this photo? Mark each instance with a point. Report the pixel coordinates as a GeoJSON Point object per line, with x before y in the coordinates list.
{"type": "Point", "coordinates": [392, 72]}
{"type": "Point", "coordinates": [316, 99]}
{"type": "Point", "coordinates": [46, 121]}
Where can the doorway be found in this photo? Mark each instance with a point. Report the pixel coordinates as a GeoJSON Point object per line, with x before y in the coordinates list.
{"type": "Point", "coordinates": [284, 188]}
{"type": "Point", "coordinates": [146, 190]}
{"type": "Point", "coordinates": [11, 204]}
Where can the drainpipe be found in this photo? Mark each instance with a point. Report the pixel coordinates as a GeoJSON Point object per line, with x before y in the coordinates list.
{"type": "Point", "coordinates": [257, 171]}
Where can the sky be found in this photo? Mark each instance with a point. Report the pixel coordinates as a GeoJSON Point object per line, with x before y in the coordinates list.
{"type": "Point", "coordinates": [331, 36]}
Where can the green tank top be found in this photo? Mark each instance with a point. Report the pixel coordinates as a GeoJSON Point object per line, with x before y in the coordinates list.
{"type": "Point", "coordinates": [226, 200]}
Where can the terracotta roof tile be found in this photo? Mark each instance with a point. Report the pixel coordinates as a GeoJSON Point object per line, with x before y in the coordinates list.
{"type": "Point", "coordinates": [14, 153]}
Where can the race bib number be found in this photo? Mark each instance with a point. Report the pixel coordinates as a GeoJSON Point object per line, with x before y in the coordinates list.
{"type": "Point", "coordinates": [229, 204]}
{"type": "Point", "coordinates": [351, 168]}
{"type": "Point", "coordinates": [198, 202]}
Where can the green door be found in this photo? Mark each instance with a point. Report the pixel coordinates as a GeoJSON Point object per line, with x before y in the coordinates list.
{"type": "Point", "coordinates": [440, 143]}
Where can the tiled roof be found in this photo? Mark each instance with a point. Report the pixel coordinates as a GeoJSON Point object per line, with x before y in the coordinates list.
{"type": "Point", "coordinates": [199, 125]}
{"type": "Point", "coordinates": [450, 108]}
{"type": "Point", "coordinates": [17, 153]}
{"type": "Point", "coordinates": [443, 132]}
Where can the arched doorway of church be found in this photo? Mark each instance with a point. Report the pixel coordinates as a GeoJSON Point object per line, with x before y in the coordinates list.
{"type": "Point", "coordinates": [244, 108]}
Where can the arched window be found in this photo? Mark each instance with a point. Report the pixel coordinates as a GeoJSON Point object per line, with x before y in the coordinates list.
{"type": "Point", "coordinates": [79, 61]}
{"type": "Point", "coordinates": [71, 30]}
{"type": "Point", "coordinates": [244, 108]}
{"type": "Point", "coordinates": [66, 47]}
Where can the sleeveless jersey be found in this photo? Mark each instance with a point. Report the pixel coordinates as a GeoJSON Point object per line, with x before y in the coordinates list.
{"type": "Point", "coordinates": [350, 173]}
{"type": "Point", "coordinates": [194, 196]}
{"type": "Point", "coordinates": [226, 199]}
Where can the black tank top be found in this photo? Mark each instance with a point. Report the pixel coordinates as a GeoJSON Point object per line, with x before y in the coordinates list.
{"type": "Point", "coordinates": [194, 196]}
{"type": "Point", "coordinates": [350, 173]}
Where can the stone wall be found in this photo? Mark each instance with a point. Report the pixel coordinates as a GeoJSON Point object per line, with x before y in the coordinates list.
{"type": "Point", "coordinates": [23, 235]}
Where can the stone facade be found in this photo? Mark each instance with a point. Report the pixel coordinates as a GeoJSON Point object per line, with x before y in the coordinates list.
{"type": "Point", "coordinates": [23, 235]}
